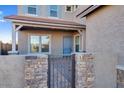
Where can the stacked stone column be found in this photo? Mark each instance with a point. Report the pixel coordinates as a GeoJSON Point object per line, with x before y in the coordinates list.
{"type": "Point", "coordinates": [84, 70]}
{"type": "Point", "coordinates": [36, 68]}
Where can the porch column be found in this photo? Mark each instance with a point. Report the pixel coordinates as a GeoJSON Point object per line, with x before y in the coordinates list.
{"type": "Point", "coordinates": [13, 51]}
{"type": "Point", "coordinates": [82, 40]}
{"type": "Point", "coordinates": [13, 40]}
{"type": "Point", "coordinates": [84, 70]}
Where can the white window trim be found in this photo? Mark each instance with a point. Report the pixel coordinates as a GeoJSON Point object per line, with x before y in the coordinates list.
{"type": "Point", "coordinates": [28, 14]}
{"type": "Point", "coordinates": [57, 13]}
{"type": "Point", "coordinates": [53, 17]}
{"type": "Point", "coordinates": [29, 52]}
{"type": "Point", "coordinates": [31, 14]}
{"type": "Point", "coordinates": [74, 43]}
{"type": "Point", "coordinates": [75, 8]}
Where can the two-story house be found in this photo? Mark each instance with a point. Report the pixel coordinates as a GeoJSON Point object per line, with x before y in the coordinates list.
{"type": "Point", "coordinates": [56, 29]}
{"type": "Point", "coordinates": [47, 29]}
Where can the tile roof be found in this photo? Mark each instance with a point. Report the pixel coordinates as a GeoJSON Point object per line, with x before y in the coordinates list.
{"type": "Point", "coordinates": [43, 20]}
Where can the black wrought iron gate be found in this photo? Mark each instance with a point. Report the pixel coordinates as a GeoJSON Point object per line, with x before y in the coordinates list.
{"type": "Point", "coordinates": [61, 72]}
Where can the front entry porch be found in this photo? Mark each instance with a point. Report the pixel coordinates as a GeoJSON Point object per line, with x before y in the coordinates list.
{"type": "Point", "coordinates": [47, 36]}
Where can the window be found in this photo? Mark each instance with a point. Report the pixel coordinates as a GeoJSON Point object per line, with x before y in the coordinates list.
{"type": "Point", "coordinates": [71, 8]}
{"type": "Point", "coordinates": [75, 7]}
{"type": "Point", "coordinates": [39, 44]}
{"type": "Point", "coordinates": [77, 43]}
{"type": "Point", "coordinates": [68, 8]}
{"type": "Point", "coordinates": [34, 44]}
{"type": "Point", "coordinates": [45, 43]}
{"type": "Point", "coordinates": [53, 11]}
{"type": "Point", "coordinates": [32, 9]}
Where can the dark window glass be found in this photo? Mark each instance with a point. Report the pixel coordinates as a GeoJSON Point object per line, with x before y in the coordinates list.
{"type": "Point", "coordinates": [77, 44]}
{"type": "Point", "coordinates": [32, 10]}
{"type": "Point", "coordinates": [53, 10]}
{"type": "Point", "coordinates": [53, 13]}
{"type": "Point", "coordinates": [45, 43]}
{"type": "Point", "coordinates": [68, 8]}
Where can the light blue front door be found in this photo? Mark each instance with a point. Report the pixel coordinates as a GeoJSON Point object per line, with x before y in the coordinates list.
{"type": "Point", "coordinates": [67, 45]}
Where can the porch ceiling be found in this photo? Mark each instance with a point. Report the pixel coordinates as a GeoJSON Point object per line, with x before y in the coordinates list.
{"type": "Point", "coordinates": [46, 23]}
{"type": "Point", "coordinates": [44, 28]}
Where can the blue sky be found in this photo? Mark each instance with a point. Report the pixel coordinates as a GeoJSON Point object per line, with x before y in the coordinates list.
{"type": "Point", "coordinates": [5, 26]}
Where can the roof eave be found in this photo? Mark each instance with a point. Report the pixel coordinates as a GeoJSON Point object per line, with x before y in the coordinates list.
{"type": "Point", "coordinates": [88, 10]}
{"type": "Point", "coordinates": [44, 20]}
{"type": "Point", "coordinates": [71, 27]}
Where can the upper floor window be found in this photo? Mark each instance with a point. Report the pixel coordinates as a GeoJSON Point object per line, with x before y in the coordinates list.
{"type": "Point", "coordinates": [53, 11]}
{"type": "Point", "coordinates": [75, 7]}
{"type": "Point", "coordinates": [32, 9]}
{"type": "Point", "coordinates": [71, 8]}
{"type": "Point", "coordinates": [68, 8]}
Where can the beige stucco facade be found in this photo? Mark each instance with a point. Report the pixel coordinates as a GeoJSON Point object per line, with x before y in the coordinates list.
{"type": "Point", "coordinates": [56, 40]}
{"type": "Point", "coordinates": [104, 37]}
{"type": "Point", "coordinates": [70, 16]}
{"type": "Point", "coordinates": [44, 12]}
{"type": "Point", "coordinates": [56, 35]}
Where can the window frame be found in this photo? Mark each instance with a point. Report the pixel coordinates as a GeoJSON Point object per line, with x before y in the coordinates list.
{"type": "Point", "coordinates": [33, 7]}
{"type": "Point", "coordinates": [66, 8]}
{"type": "Point", "coordinates": [38, 45]}
{"type": "Point", "coordinates": [56, 11]}
{"type": "Point", "coordinates": [75, 43]}
{"type": "Point", "coordinates": [73, 8]}
{"type": "Point", "coordinates": [29, 41]}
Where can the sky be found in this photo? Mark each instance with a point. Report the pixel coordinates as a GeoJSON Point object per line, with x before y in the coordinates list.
{"type": "Point", "coordinates": [6, 26]}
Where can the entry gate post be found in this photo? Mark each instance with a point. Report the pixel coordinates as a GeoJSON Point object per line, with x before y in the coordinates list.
{"type": "Point", "coordinates": [73, 71]}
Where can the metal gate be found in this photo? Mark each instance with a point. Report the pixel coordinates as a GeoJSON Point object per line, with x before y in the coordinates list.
{"type": "Point", "coordinates": [61, 70]}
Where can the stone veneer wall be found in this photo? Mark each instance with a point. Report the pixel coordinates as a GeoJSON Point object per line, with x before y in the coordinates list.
{"type": "Point", "coordinates": [32, 71]}
{"type": "Point", "coordinates": [36, 69]}
{"type": "Point", "coordinates": [84, 72]}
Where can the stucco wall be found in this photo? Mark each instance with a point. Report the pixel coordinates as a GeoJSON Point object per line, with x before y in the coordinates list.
{"type": "Point", "coordinates": [19, 71]}
{"type": "Point", "coordinates": [78, 11]}
{"type": "Point", "coordinates": [44, 12]}
{"type": "Point", "coordinates": [56, 40]}
{"type": "Point", "coordinates": [71, 16]}
{"type": "Point", "coordinates": [105, 37]}
{"type": "Point", "coordinates": [105, 70]}
{"type": "Point", "coordinates": [11, 71]}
